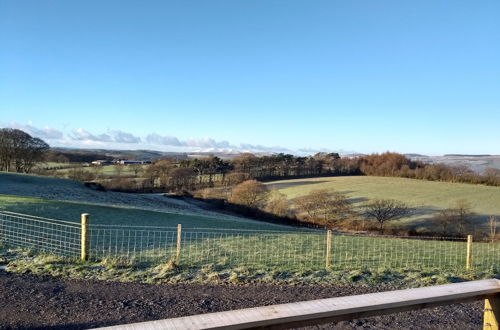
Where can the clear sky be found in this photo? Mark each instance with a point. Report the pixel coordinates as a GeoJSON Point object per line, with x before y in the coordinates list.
{"type": "Point", "coordinates": [366, 76]}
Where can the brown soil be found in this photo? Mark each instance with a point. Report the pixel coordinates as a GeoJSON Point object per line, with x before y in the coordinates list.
{"type": "Point", "coordinates": [35, 302]}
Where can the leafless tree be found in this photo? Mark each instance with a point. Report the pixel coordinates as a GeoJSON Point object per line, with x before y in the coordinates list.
{"type": "Point", "coordinates": [136, 168]}
{"type": "Point", "coordinates": [324, 206]}
{"type": "Point", "coordinates": [462, 211]}
{"type": "Point", "coordinates": [182, 178]}
{"type": "Point", "coordinates": [119, 169]}
{"type": "Point", "coordinates": [384, 210]}
{"type": "Point", "coordinates": [278, 204]}
{"type": "Point", "coordinates": [444, 220]}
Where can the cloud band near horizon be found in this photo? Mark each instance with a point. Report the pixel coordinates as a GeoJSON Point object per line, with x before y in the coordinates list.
{"type": "Point", "coordinates": [118, 139]}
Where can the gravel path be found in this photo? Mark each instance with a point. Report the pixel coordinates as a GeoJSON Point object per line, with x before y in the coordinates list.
{"type": "Point", "coordinates": [34, 302]}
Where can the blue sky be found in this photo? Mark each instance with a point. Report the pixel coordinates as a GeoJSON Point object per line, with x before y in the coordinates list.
{"type": "Point", "coordinates": [364, 76]}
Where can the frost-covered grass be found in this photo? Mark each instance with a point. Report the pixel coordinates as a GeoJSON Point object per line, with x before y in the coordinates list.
{"type": "Point", "coordinates": [123, 216]}
{"type": "Point", "coordinates": [427, 196]}
{"type": "Point", "coordinates": [22, 261]}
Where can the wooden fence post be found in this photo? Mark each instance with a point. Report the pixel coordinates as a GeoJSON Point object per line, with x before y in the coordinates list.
{"type": "Point", "coordinates": [179, 237]}
{"type": "Point", "coordinates": [85, 237]}
{"type": "Point", "coordinates": [469, 252]}
{"type": "Point", "coordinates": [328, 248]}
{"type": "Point", "coordinates": [492, 313]}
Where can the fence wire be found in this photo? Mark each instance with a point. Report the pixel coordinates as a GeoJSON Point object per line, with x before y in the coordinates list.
{"type": "Point", "coordinates": [40, 234]}
{"type": "Point", "coordinates": [280, 249]}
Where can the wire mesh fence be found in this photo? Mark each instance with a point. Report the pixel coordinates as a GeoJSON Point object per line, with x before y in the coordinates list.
{"type": "Point", "coordinates": [279, 249]}
{"type": "Point", "coordinates": [40, 234]}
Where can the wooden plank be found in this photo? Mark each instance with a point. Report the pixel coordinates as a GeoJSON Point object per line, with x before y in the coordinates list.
{"type": "Point", "coordinates": [329, 310]}
{"type": "Point", "coordinates": [492, 313]}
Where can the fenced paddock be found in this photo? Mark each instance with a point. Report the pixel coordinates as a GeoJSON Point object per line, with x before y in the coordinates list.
{"type": "Point", "coordinates": [286, 250]}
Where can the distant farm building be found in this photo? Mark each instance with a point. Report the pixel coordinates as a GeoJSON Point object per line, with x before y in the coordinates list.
{"type": "Point", "coordinates": [133, 162]}
{"type": "Point", "coordinates": [102, 162]}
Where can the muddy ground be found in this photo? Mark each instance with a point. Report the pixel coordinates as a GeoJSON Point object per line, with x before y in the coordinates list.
{"type": "Point", "coordinates": [34, 302]}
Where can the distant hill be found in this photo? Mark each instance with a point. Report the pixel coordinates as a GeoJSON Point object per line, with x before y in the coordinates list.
{"type": "Point", "coordinates": [477, 163]}
{"type": "Point", "coordinates": [87, 155]}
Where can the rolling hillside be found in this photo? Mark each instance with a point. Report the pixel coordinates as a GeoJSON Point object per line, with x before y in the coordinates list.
{"type": "Point", "coordinates": [429, 197]}
{"type": "Point", "coordinates": [66, 200]}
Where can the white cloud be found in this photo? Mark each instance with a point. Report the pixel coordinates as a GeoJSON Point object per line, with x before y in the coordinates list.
{"type": "Point", "coordinates": [81, 134]}
{"type": "Point", "coordinates": [117, 139]}
{"type": "Point", "coordinates": [163, 140]}
{"type": "Point", "coordinates": [45, 133]}
{"type": "Point", "coordinates": [124, 137]}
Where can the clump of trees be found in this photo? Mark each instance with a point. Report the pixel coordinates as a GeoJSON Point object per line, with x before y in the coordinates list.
{"type": "Point", "coordinates": [19, 151]}
{"type": "Point", "coordinates": [325, 207]}
{"type": "Point", "coordinates": [454, 219]}
{"type": "Point", "coordinates": [397, 165]}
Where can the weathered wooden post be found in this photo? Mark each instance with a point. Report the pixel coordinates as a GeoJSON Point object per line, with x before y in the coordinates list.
{"type": "Point", "coordinates": [328, 248]}
{"type": "Point", "coordinates": [179, 238]}
{"type": "Point", "coordinates": [469, 252]}
{"type": "Point", "coordinates": [492, 313]}
{"type": "Point", "coordinates": [85, 237]}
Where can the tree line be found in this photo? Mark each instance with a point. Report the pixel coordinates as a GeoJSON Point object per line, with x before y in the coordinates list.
{"type": "Point", "coordinates": [193, 174]}
{"type": "Point", "coordinates": [20, 152]}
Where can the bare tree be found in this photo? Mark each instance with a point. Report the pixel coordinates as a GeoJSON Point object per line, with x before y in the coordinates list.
{"type": "Point", "coordinates": [384, 210]}
{"type": "Point", "coordinates": [136, 168]}
{"type": "Point", "coordinates": [278, 204]}
{"type": "Point", "coordinates": [462, 210]}
{"type": "Point", "coordinates": [250, 193]}
{"type": "Point", "coordinates": [444, 221]}
{"type": "Point", "coordinates": [182, 179]}
{"type": "Point", "coordinates": [96, 169]}
{"type": "Point", "coordinates": [325, 206]}
{"type": "Point", "coordinates": [454, 218]}
{"type": "Point", "coordinates": [119, 169]}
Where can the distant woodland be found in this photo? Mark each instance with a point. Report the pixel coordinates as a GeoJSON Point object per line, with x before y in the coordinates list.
{"type": "Point", "coordinates": [20, 152]}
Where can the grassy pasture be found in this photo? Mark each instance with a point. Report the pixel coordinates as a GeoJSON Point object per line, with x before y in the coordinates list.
{"type": "Point", "coordinates": [112, 215]}
{"type": "Point", "coordinates": [308, 251]}
{"type": "Point", "coordinates": [103, 171]}
{"type": "Point", "coordinates": [428, 196]}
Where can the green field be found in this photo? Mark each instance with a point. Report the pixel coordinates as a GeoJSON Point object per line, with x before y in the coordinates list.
{"type": "Point", "coordinates": [427, 196]}
{"type": "Point", "coordinates": [230, 244]}
{"type": "Point", "coordinates": [110, 215]}
{"type": "Point", "coordinates": [101, 171]}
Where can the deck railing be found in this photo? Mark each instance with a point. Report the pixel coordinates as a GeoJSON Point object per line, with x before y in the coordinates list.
{"type": "Point", "coordinates": [314, 312]}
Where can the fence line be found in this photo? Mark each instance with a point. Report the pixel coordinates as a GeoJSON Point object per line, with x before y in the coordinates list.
{"type": "Point", "coordinates": [40, 234]}
{"type": "Point", "coordinates": [287, 250]}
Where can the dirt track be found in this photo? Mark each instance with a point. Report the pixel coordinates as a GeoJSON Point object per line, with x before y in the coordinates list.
{"type": "Point", "coordinates": [29, 301]}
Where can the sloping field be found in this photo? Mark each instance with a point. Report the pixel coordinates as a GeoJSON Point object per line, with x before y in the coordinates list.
{"type": "Point", "coordinates": [123, 216]}
{"type": "Point", "coordinates": [428, 196]}
{"type": "Point", "coordinates": [66, 200]}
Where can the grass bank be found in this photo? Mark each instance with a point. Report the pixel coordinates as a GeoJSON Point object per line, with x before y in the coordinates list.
{"type": "Point", "coordinates": [115, 269]}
